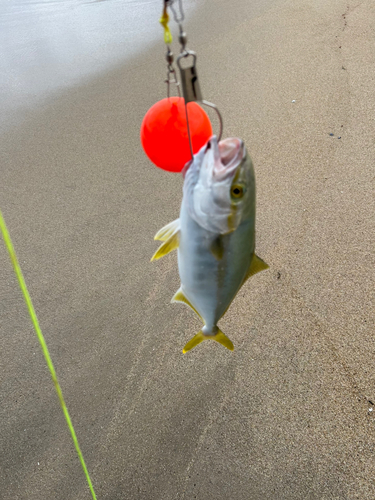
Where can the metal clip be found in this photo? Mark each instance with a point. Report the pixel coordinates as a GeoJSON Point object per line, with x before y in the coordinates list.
{"type": "Point", "coordinates": [189, 79]}
{"type": "Point", "coordinates": [171, 74]}
{"type": "Point", "coordinates": [191, 89]}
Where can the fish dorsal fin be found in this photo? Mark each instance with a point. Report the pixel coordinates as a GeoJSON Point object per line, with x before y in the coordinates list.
{"type": "Point", "coordinates": [165, 232]}
{"type": "Point", "coordinates": [179, 296]}
{"type": "Point", "coordinates": [257, 265]}
{"type": "Point", "coordinates": [171, 243]}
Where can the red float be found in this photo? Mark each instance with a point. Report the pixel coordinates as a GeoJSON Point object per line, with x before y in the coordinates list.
{"type": "Point", "coordinates": [164, 134]}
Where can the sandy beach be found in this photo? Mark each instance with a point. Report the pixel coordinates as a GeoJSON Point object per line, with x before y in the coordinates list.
{"type": "Point", "coordinates": [290, 414]}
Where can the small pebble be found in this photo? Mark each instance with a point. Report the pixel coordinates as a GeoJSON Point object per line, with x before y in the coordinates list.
{"type": "Point", "coordinates": [339, 138]}
{"type": "Point", "coordinates": [294, 100]}
{"type": "Point", "coordinates": [370, 409]}
{"type": "Point", "coordinates": [331, 135]}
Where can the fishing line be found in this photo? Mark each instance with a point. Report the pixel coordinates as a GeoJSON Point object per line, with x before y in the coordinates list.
{"type": "Point", "coordinates": [34, 319]}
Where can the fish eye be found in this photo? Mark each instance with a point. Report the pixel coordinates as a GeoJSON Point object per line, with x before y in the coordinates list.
{"type": "Point", "coordinates": [237, 191]}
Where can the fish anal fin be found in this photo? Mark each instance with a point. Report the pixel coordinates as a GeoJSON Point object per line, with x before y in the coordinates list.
{"type": "Point", "coordinates": [179, 296]}
{"type": "Point", "coordinates": [165, 232]}
{"type": "Point", "coordinates": [257, 265]}
{"type": "Point", "coordinates": [200, 337]}
{"type": "Point", "coordinates": [168, 246]}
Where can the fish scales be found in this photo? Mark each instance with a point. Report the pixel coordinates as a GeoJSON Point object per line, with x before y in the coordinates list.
{"type": "Point", "coordinates": [210, 283]}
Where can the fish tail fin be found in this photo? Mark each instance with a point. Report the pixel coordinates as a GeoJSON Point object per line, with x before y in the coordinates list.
{"type": "Point", "coordinates": [224, 340]}
{"type": "Point", "coordinates": [197, 339]}
{"type": "Point", "coordinates": [200, 337]}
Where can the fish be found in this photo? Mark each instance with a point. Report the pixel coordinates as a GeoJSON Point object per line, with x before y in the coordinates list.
{"type": "Point", "coordinates": [214, 235]}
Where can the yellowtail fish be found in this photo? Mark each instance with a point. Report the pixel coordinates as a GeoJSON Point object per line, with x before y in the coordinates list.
{"type": "Point", "coordinates": [215, 234]}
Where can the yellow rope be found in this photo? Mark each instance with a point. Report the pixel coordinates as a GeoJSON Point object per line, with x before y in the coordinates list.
{"type": "Point", "coordinates": [34, 319]}
{"type": "Point", "coordinates": [164, 22]}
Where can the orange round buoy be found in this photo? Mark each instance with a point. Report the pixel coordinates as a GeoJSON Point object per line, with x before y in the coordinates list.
{"type": "Point", "coordinates": [164, 135]}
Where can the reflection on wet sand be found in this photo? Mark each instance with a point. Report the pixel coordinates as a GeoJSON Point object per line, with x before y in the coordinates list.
{"type": "Point", "coordinates": [48, 45]}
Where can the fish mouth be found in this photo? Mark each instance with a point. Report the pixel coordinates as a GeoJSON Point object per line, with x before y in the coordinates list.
{"type": "Point", "coordinates": [228, 155]}
{"type": "Point", "coordinates": [232, 150]}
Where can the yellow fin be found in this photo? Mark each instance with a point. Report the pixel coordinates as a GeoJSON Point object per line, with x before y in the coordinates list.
{"type": "Point", "coordinates": [170, 244]}
{"type": "Point", "coordinates": [224, 340]}
{"type": "Point", "coordinates": [179, 296]}
{"type": "Point", "coordinates": [257, 265]}
{"type": "Point", "coordinates": [197, 339]}
{"type": "Point", "coordinates": [217, 248]}
{"type": "Point", "coordinates": [200, 337]}
{"type": "Point", "coordinates": [165, 232]}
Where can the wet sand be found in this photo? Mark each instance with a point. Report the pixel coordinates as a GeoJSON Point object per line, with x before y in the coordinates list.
{"type": "Point", "coordinates": [287, 414]}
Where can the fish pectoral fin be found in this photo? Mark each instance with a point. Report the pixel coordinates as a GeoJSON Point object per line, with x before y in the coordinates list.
{"type": "Point", "coordinates": [179, 296]}
{"type": "Point", "coordinates": [165, 232]}
{"type": "Point", "coordinates": [257, 265]}
{"type": "Point", "coordinates": [170, 244]}
{"type": "Point", "coordinates": [217, 248]}
{"type": "Point", "coordinates": [200, 337]}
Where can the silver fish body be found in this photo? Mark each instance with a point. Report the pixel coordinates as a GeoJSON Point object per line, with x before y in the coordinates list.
{"type": "Point", "coordinates": [210, 281]}
{"type": "Point", "coordinates": [215, 234]}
